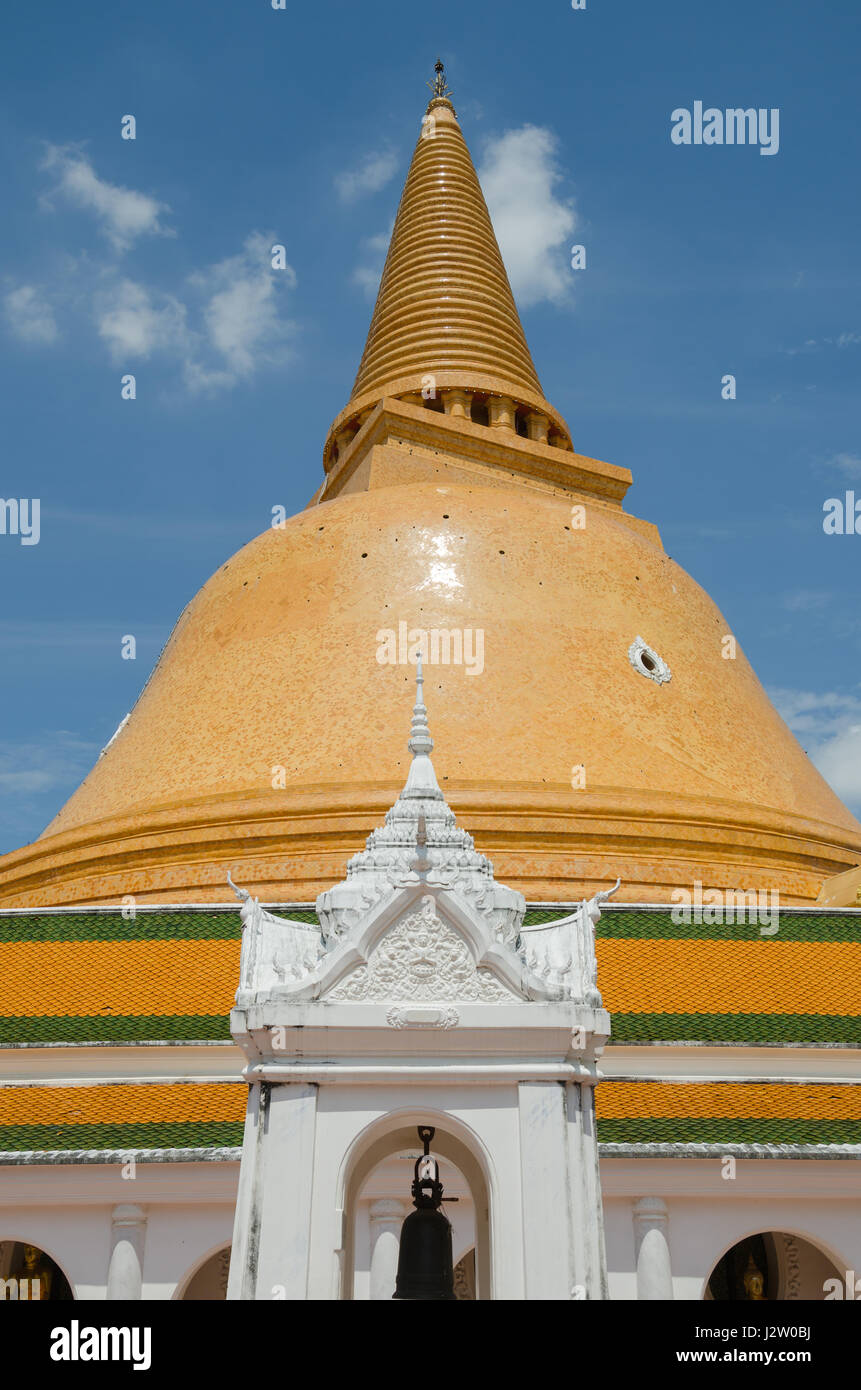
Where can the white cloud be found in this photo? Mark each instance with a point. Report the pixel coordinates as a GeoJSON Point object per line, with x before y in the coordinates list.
{"type": "Point", "coordinates": [806, 600]}
{"type": "Point", "coordinates": [373, 173]}
{"type": "Point", "coordinates": [123, 213]}
{"type": "Point", "coordinates": [242, 318]}
{"type": "Point", "coordinates": [46, 639]}
{"type": "Point", "coordinates": [135, 321]}
{"type": "Point", "coordinates": [839, 761]}
{"type": "Point", "coordinates": [373, 257]}
{"type": "Point", "coordinates": [848, 464]}
{"type": "Point", "coordinates": [228, 325]}
{"type": "Point", "coordinates": [30, 315]}
{"type": "Point", "coordinates": [519, 175]}
{"type": "Point", "coordinates": [829, 727]}
{"type": "Point", "coordinates": [842, 340]}
{"type": "Point", "coordinates": [222, 325]}
{"type": "Point", "coordinates": [34, 776]}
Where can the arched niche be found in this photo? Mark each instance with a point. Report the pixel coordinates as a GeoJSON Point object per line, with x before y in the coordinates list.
{"type": "Point", "coordinates": [206, 1281]}
{"type": "Point", "coordinates": [21, 1263]}
{"type": "Point", "coordinates": [452, 1141]}
{"type": "Point", "coordinates": [772, 1267]}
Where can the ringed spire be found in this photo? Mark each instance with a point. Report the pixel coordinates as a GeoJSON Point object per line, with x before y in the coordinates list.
{"type": "Point", "coordinates": [445, 318]}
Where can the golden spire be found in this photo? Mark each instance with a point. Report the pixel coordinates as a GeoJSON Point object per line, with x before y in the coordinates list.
{"type": "Point", "coordinates": [445, 310]}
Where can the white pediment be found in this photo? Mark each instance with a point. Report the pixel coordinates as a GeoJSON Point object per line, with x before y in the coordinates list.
{"type": "Point", "coordinates": [422, 958]}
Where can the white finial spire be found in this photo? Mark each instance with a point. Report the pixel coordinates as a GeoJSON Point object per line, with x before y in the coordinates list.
{"type": "Point", "coordinates": [420, 739]}
{"type": "Point", "coordinates": [421, 780]}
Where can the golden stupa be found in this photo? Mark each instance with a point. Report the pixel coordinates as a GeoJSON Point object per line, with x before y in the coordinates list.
{"type": "Point", "coordinates": [606, 733]}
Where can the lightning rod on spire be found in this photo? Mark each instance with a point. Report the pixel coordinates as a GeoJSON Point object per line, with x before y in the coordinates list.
{"type": "Point", "coordinates": [439, 87]}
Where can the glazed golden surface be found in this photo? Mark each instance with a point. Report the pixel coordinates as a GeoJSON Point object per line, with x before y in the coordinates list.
{"type": "Point", "coordinates": [274, 665]}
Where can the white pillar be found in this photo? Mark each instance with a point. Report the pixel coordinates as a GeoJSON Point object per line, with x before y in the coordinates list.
{"type": "Point", "coordinates": [125, 1270]}
{"type": "Point", "coordinates": [652, 1250]}
{"type": "Point", "coordinates": [563, 1233]}
{"type": "Point", "coordinates": [544, 1176]}
{"type": "Point", "coordinates": [386, 1219]}
{"type": "Point", "coordinates": [272, 1227]}
{"type": "Point", "coordinates": [587, 1203]}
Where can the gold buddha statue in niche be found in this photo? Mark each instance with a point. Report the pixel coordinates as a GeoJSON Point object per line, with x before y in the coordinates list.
{"type": "Point", "coordinates": [38, 1266]}
{"type": "Point", "coordinates": [754, 1281]}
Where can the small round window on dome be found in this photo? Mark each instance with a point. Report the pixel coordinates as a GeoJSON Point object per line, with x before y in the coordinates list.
{"type": "Point", "coordinates": [647, 662]}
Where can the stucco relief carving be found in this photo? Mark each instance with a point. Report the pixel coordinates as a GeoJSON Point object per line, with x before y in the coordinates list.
{"type": "Point", "coordinates": [275, 950]}
{"type": "Point", "coordinates": [792, 1267]}
{"type": "Point", "coordinates": [421, 958]}
{"type": "Point", "coordinates": [223, 1270]}
{"type": "Point", "coordinates": [562, 953]}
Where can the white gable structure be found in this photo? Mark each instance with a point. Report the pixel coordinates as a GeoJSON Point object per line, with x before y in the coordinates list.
{"type": "Point", "coordinates": [419, 1000]}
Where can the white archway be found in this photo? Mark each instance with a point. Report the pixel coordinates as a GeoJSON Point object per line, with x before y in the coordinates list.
{"type": "Point", "coordinates": [814, 1243]}
{"type": "Point", "coordinates": [454, 1141]}
{"type": "Point", "coordinates": [211, 1255]}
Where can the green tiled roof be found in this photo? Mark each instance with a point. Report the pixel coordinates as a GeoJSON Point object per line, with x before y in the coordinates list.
{"type": "Point", "coordinates": [170, 974]}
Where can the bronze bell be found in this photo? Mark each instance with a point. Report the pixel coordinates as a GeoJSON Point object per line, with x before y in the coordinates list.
{"type": "Point", "coordinates": [425, 1268]}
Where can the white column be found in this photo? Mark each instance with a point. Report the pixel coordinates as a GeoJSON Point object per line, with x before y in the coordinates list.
{"type": "Point", "coordinates": [272, 1230]}
{"type": "Point", "coordinates": [546, 1190]}
{"type": "Point", "coordinates": [125, 1270]}
{"type": "Point", "coordinates": [563, 1234]}
{"type": "Point", "coordinates": [386, 1219]}
{"type": "Point", "coordinates": [587, 1205]}
{"type": "Point", "coordinates": [652, 1250]}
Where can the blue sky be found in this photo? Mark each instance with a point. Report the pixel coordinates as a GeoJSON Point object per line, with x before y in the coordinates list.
{"type": "Point", "coordinates": [296, 126]}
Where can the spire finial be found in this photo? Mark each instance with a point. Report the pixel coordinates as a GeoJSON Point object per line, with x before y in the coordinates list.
{"type": "Point", "coordinates": [439, 87]}
{"type": "Point", "coordinates": [420, 739]}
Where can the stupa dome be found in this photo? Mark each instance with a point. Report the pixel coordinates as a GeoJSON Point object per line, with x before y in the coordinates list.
{"type": "Point", "coordinates": [594, 725]}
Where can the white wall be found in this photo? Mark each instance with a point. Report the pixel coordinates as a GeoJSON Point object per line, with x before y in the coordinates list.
{"type": "Point", "coordinates": [819, 1200]}
{"type": "Point", "coordinates": [66, 1210]}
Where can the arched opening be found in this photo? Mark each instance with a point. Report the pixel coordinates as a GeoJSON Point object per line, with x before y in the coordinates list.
{"type": "Point", "coordinates": [27, 1272]}
{"type": "Point", "coordinates": [391, 1146]}
{"type": "Point", "coordinates": [771, 1267]}
{"type": "Point", "coordinates": [383, 1203]}
{"type": "Point", "coordinates": [206, 1282]}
